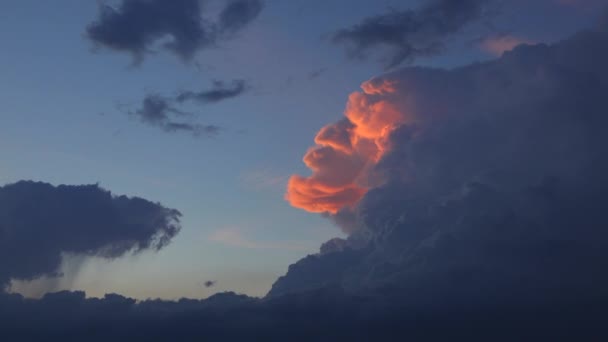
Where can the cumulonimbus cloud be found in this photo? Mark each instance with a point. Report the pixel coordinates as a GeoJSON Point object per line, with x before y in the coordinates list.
{"type": "Point", "coordinates": [477, 184]}
{"type": "Point", "coordinates": [40, 222]}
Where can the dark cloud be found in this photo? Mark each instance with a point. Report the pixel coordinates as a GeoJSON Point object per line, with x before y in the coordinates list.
{"type": "Point", "coordinates": [602, 22]}
{"type": "Point", "coordinates": [327, 314]}
{"type": "Point", "coordinates": [238, 13]}
{"type": "Point", "coordinates": [220, 91]}
{"type": "Point", "coordinates": [39, 223]}
{"type": "Point", "coordinates": [404, 35]}
{"type": "Point", "coordinates": [136, 26]}
{"type": "Point", "coordinates": [209, 283]}
{"type": "Point", "coordinates": [491, 185]}
{"type": "Point", "coordinates": [159, 111]}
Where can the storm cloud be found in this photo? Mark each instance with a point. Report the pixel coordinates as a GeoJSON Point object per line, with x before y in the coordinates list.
{"type": "Point", "coordinates": [405, 35]}
{"type": "Point", "coordinates": [480, 185]}
{"type": "Point", "coordinates": [39, 223]}
{"type": "Point", "coordinates": [138, 26]}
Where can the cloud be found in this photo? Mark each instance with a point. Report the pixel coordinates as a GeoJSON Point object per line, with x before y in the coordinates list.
{"type": "Point", "coordinates": [162, 111]}
{"type": "Point", "coordinates": [209, 283]}
{"type": "Point", "coordinates": [39, 223]}
{"type": "Point", "coordinates": [497, 45]}
{"type": "Point", "coordinates": [326, 314]}
{"type": "Point", "coordinates": [404, 35]}
{"type": "Point", "coordinates": [220, 91]}
{"type": "Point", "coordinates": [316, 73]}
{"type": "Point", "coordinates": [238, 13]}
{"type": "Point", "coordinates": [581, 3]}
{"type": "Point", "coordinates": [479, 185]}
{"type": "Point", "coordinates": [158, 111]}
{"type": "Point", "coordinates": [346, 150]}
{"type": "Point", "coordinates": [137, 26]}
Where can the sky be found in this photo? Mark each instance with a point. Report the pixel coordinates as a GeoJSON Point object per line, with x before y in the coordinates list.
{"type": "Point", "coordinates": [72, 114]}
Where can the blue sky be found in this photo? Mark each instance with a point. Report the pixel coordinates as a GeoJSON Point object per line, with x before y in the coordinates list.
{"type": "Point", "coordinates": [64, 122]}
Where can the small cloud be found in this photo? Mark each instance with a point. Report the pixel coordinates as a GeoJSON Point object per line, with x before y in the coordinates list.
{"type": "Point", "coordinates": [219, 91]}
{"type": "Point", "coordinates": [158, 111]}
{"type": "Point", "coordinates": [209, 283]}
{"type": "Point", "coordinates": [316, 73]}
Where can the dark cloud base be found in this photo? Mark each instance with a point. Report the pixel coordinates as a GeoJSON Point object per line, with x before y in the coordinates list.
{"type": "Point", "coordinates": [322, 315]}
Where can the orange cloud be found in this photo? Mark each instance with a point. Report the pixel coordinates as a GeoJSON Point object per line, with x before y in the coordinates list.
{"type": "Point", "coordinates": [345, 151]}
{"type": "Point", "coordinates": [501, 44]}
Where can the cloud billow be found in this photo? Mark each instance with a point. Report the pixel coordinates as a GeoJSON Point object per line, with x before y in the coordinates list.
{"type": "Point", "coordinates": [39, 223]}
{"type": "Point", "coordinates": [478, 185]}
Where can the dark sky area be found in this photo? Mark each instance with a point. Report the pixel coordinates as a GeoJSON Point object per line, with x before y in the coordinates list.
{"type": "Point", "coordinates": [230, 170]}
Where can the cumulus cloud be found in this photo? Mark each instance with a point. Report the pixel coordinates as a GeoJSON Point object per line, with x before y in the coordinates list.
{"type": "Point", "coordinates": [346, 150]}
{"type": "Point", "coordinates": [405, 35]}
{"type": "Point", "coordinates": [479, 184]}
{"type": "Point", "coordinates": [39, 223]}
{"type": "Point", "coordinates": [137, 26]}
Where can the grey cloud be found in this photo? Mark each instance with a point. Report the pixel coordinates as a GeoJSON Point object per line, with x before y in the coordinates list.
{"type": "Point", "coordinates": [493, 191]}
{"type": "Point", "coordinates": [162, 111]}
{"type": "Point", "coordinates": [220, 91]}
{"type": "Point", "coordinates": [159, 111]}
{"type": "Point", "coordinates": [405, 35]}
{"type": "Point", "coordinates": [40, 222]}
{"type": "Point", "coordinates": [238, 14]}
{"type": "Point", "coordinates": [327, 314]}
{"type": "Point", "coordinates": [136, 26]}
